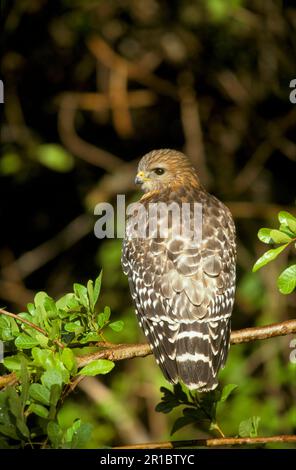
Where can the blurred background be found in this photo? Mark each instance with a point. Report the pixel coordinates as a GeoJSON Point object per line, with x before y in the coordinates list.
{"type": "Point", "coordinates": [92, 85]}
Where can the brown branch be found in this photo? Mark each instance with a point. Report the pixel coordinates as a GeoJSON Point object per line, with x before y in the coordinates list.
{"type": "Point", "coordinates": [138, 72]}
{"type": "Point", "coordinates": [247, 335]}
{"type": "Point", "coordinates": [30, 324]}
{"type": "Point", "coordinates": [221, 442]}
{"type": "Point", "coordinates": [79, 147]}
{"type": "Point", "coordinates": [191, 124]}
{"type": "Point", "coordinates": [89, 101]}
{"type": "Point", "coordinates": [118, 94]}
{"type": "Point", "coordinates": [120, 352]}
{"type": "Point", "coordinates": [8, 379]}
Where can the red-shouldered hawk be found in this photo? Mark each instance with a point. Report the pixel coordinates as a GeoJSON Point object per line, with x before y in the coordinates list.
{"type": "Point", "coordinates": [183, 288]}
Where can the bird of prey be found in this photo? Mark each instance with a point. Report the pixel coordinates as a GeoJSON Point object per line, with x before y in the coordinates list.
{"type": "Point", "coordinates": [182, 286]}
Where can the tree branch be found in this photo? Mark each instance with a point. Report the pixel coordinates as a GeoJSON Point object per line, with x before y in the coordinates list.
{"type": "Point", "coordinates": [119, 352]}
{"type": "Point", "coordinates": [127, 351]}
{"type": "Point", "coordinates": [221, 442]}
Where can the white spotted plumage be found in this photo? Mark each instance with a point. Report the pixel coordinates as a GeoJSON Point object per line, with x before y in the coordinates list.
{"type": "Point", "coordinates": [184, 291]}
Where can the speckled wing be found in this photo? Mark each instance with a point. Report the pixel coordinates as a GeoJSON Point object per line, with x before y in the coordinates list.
{"type": "Point", "coordinates": [183, 291]}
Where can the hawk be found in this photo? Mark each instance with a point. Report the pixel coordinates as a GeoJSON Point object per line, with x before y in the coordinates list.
{"type": "Point", "coordinates": [182, 286]}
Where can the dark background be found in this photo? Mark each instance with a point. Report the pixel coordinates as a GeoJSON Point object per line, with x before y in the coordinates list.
{"type": "Point", "coordinates": [213, 78]}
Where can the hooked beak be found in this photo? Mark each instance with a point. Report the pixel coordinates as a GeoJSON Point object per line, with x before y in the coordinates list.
{"type": "Point", "coordinates": [141, 178]}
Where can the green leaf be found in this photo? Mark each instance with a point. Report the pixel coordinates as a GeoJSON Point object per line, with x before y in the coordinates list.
{"type": "Point", "coordinates": [279, 237]}
{"type": "Point", "coordinates": [31, 309]}
{"type": "Point", "coordinates": [181, 422]}
{"type": "Point", "coordinates": [71, 430]}
{"type": "Point", "coordinates": [268, 256]}
{"type": "Point", "coordinates": [15, 403]}
{"type": "Point", "coordinates": [24, 380]}
{"type": "Point", "coordinates": [50, 307]}
{"type": "Point", "coordinates": [285, 229]}
{"type": "Point", "coordinates": [74, 327]}
{"type": "Point", "coordinates": [55, 434]}
{"type": "Point", "coordinates": [52, 377]}
{"type": "Point", "coordinates": [24, 341]}
{"type": "Point", "coordinates": [180, 394]}
{"type": "Point", "coordinates": [226, 392]}
{"type": "Point", "coordinates": [55, 393]}
{"type": "Point", "coordinates": [42, 339]}
{"type": "Point", "coordinates": [264, 235]}
{"type": "Point", "coordinates": [38, 410]}
{"type": "Point", "coordinates": [249, 427]}
{"type": "Point", "coordinates": [68, 358]}
{"type": "Point", "coordinates": [100, 366]}
{"type": "Point", "coordinates": [39, 299]}
{"type": "Point", "coordinates": [103, 317]}
{"type": "Point", "coordinates": [39, 393]}
{"type": "Point", "coordinates": [166, 406]}
{"type": "Point", "coordinates": [89, 337]}
{"type": "Point", "coordinates": [43, 357]}
{"type": "Point", "coordinates": [9, 430]}
{"type": "Point", "coordinates": [55, 157]}
{"type": "Point", "coordinates": [12, 362]}
{"type": "Point", "coordinates": [81, 436]}
{"type": "Point", "coordinates": [90, 292]}
{"type": "Point", "coordinates": [16, 408]}
{"type": "Point", "coordinates": [81, 294]}
{"type": "Point", "coordinates": [287, 280]}
{"type": "Point", "coordinates": [116, 325]}
{"type": "Point", "coordinates": [68, 301]}
{"type": "Point", "coordinates": [97, 287]}
{"type": "Point", "coordinates": [288, 219]}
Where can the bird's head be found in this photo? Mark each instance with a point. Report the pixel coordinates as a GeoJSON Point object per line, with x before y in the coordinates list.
{"type": "Point", "coordinates": [164, 168]}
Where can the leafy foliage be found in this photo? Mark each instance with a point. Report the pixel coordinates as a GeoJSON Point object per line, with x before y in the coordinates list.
{"type": "Point", "coordinates": [42, 354]}
{"type": "Point", "coordinates": [284, 236]}
{"type": "Point", "coordinates": [200, 409]}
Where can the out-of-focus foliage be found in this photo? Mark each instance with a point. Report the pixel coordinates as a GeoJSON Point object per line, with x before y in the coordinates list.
{"type": "Point", "coordinates": [226, 65]}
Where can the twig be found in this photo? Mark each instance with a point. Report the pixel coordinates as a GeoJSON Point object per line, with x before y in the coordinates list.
{"type": "Point", "coordinates": [191, 124]}
{"type": "Point", "coordinates": [8, 379]}
{"type": "Point", "coordinates": [32, 325]}
{"type": "Point", "coordinates": [118, 94]}
{"type": "Point", "coordinates": [103, 53]}
{"type": "Point", "coordinates": [221, 442]}
{"type": "Point", "coordinates": [79, 147]}
{"type": "Point", "coordinates": [101, 102]}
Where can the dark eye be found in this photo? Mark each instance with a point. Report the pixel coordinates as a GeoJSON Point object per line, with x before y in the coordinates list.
{"type": "Point", "coordinates": [159, 171]}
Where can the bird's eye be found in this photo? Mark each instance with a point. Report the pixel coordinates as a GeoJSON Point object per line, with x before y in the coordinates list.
{"type": "Point", "coordinates": [159, 171]}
